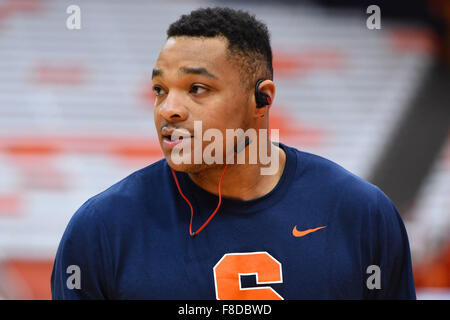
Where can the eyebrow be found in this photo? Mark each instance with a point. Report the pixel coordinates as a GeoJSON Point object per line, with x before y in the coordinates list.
{"type": "Point", "coordinates": [200, 71]}
{"type": "Point", "coordinates": [186, 70]}
{"type": "Point", "coordinates": [156, 72]}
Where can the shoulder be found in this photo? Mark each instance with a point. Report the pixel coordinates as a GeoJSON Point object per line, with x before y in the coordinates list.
{"type": "Point", "coordinates": [318, 171]}
{"type": "Point", "coordinates": [348, 200]}
{"type": "Point", "coordinates": [357, 202]}
{"type": "Point", "coordinates": [325, 180]}
{"type": "Point", "coordinates": [124, 197]}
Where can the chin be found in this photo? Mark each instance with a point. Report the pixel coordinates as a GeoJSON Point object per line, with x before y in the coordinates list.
{"type": "Point", "coordinates": [183, 167]}
{"type": "Point", "coordinates": [191, 168]}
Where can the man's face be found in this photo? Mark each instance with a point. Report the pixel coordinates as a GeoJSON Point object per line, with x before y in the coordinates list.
{"type": "Point", "coordinates": [194, 80]}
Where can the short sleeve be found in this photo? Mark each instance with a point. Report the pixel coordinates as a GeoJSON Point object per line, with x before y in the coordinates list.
{"type": "Point", "coordinates": [391, 253]}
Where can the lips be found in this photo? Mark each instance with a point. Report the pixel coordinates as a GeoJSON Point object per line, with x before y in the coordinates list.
{"type": "Point", "coordinates": [175, 137]}
{"type": "Point", "coordinates": [172, 137]}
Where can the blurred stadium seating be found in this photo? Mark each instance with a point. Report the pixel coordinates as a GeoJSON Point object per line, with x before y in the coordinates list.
{"type": "Point", "coordinates": [76, 114]}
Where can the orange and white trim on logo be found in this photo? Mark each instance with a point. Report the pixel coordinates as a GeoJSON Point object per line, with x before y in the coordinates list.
{"type": "Point", "coordinates": [230, 268]}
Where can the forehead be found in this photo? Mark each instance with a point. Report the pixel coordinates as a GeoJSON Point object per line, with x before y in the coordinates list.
{"type": "Point", "coordinates": [181, 52]}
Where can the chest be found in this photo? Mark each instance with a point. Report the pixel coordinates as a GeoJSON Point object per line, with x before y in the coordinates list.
{"type": "Point", "coordinates": [242, 259]}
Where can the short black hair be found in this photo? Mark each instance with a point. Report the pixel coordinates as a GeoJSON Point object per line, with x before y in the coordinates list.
{"type": "Point", "coordinates": [248, 38]}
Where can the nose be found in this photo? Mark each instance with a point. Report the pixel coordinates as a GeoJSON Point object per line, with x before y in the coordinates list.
{"type": "Point", "coordinates": [172, 109]}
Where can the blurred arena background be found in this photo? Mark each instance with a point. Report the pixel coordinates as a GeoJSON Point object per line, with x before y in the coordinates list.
{"type": "Point", "coordinates": [76, 112]}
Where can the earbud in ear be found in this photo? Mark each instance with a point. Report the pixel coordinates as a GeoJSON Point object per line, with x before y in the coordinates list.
{"type": "Point", "coordinates": [261, 98]}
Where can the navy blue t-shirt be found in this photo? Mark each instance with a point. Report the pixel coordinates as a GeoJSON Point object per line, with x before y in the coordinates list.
{"type": "Point", "coordinates": [321, 233]}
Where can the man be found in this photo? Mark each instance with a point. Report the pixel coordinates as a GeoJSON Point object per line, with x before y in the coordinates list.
{"type": "Point", "coordinates": [223, 230]}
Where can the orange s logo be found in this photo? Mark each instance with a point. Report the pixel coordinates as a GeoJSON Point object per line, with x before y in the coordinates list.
{"type": "Point", "coordinates": [228, 271]}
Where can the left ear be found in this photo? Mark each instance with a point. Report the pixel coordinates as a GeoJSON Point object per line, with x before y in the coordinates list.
{"type": "Point", "coordinates": [268, 88]}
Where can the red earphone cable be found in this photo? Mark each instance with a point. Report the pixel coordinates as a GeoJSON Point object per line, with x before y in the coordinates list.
{"type": "Point", "coordinates": [185, 199]}
{"type": "Point", "coordinates": [219, 192]}
{"type": "Point", "coordinates": [190, 205]}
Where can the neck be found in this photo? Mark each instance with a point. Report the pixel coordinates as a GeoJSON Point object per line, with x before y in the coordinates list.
{"type": "Point", "coordinates": [241, 181]}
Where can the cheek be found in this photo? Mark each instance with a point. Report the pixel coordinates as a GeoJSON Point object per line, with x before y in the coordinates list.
{"type": "Point", "coordinates": [156, 118]}
{"type": "Point", "coordinates": [155, 115]}
{"type": "Point", "coordinates": [230, 112]}
{"type": "Point", "coordinates": [221, 121]}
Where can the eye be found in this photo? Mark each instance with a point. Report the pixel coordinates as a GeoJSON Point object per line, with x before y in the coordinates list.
{"type": "Point", "coordinates": [197, 89]}
{"type": "Point", "coordinates": [158, 90]}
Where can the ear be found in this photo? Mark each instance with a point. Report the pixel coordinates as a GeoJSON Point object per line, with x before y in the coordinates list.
{"type": "Point", "coordinates": [266, 87]}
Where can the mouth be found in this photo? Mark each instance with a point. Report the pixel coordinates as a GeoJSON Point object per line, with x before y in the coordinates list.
{"type": "Point", "coordinates": [175, 138]}
{"type": "Point", "coordinates": [171, 138]}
